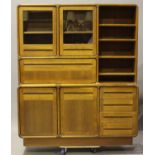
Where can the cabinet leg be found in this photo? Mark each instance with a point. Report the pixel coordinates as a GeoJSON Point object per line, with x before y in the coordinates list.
{"type": "Point", "coordinates": [93, 150]}
{"type": "Point", "coordinates": [63, 151]}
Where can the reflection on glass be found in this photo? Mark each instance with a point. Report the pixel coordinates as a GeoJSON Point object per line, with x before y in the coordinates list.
{"type": "Point", "coordinates": [77, 20]}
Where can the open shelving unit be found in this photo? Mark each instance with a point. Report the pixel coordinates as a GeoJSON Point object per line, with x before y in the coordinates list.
{"type": "Point", "coordinates": [117, 43]}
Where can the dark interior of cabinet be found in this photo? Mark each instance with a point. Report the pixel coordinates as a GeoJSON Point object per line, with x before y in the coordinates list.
{"type": "Point", "coordinates": [117, 32]}
{"type": "Point", "coordinates": [117, 78]}
{"type": "Point", "coordinates": [117, 14]}
{"type": "Point", "coordinates": [77, 38]}
{"type": "Point", "coordinates": [116, 48]}
{"type": "Point", "coordinates": [38, 39]}
{"type": "Point", "coordinates": [116, 65]}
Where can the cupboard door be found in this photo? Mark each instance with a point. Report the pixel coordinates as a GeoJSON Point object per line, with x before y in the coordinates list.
{"type": "Point", "coordinates": [40, 71]}
{"type": "Point", "coordinates": [78, 30]}
{"type": "Point", "coordinates": [37, 31]}
{"type": "Point", "coordinates": [78, 108]}
{"type": "Point", "coordinates": [119, 108]}
{"type": "Point", "coordinates": [38, 112]}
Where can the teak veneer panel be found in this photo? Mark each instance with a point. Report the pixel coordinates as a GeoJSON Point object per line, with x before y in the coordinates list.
{"type": "Point", "coordinates": [79, 108]}
{"type": "Point", "coordinates": [38, 112]}
{"type": "Point", "coordinates": [76, 71]}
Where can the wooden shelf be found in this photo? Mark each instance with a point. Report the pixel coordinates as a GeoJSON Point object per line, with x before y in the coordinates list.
{"type": "Point", "coordinates": [38, 32]}
{"type": "Point", "coordinates": [117, 25]}
{"type": "Point", "coordinates": [78, 32]}
{"type": "Point", "coordinates": [117, 56]}
{"type": "Point", "coordinates": [117, 73]}
{"type": "Point", "coordinates": [116, 39]}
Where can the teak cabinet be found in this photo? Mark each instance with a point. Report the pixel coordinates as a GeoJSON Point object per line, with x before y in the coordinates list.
{"type": "Point", "coordinates": [78, 75]}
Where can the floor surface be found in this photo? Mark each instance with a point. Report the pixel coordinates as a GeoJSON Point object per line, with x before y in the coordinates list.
{"type": "Point", "coordinates": [19, 149]}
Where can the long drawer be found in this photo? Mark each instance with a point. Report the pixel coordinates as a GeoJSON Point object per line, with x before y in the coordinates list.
{"type": "Point", "coordinates": [38, 71]}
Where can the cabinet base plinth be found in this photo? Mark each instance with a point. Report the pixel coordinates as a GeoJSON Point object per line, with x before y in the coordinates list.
{"type": "Point", "coordinates": [58, 142]}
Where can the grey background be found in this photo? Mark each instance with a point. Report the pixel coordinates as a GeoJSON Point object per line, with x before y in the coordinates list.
{"type": "Point", "coordinates": [14, 58]}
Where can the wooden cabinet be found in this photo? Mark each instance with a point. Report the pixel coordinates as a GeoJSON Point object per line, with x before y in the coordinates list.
{"type": "Point", "coordinates": [79, 112]}
{"type": "Point", "coordinates": [37, 31]}
{"type": "Point", "coordinates": [58, 71]}
{"type": "Point", "coordinates": [78, 30]}
{"type": "Point", "coordinates": [118, 106]}
{"type": "Point", "coordinates": [78, 74]}
{"type": "Point", "coordinates": [38, 112]}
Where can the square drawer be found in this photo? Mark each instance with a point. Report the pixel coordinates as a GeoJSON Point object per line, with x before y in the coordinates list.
{"type": "Point", "coordinates": [42, 71]}
{"type": "Point", "coordinates": [118, 124]}
{"type": "Point", "coordinates": [118, 99]}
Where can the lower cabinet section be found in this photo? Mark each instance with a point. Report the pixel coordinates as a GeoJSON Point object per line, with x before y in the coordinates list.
{"type": "Point", "coordinates": [79, 112]}
{"type": "Point", "coordinates": [38, 112]}
{"type": "Point", "coordinates": [66, 112]}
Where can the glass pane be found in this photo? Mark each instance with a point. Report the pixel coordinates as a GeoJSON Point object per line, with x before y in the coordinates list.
{"type": "Point", "coordinates": [37, 27]}
{"type": "Point", "coordinates": [78, 27]}
{"type": "Point", "coordinates": [37, 21]}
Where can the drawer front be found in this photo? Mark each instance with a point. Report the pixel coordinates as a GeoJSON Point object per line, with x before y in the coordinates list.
{"type": "Point", "coordinates": [118, 124]}
{"type": "Point", "coordinates": [38, 112]}
{"type": "Point", "coordinates": [78, 112]}
{"type": "Point", "coordinates": [75, 71]}
{"type": "Point", "coordinates": [118, 111]}
{"type": "Point", "coordinates": [118, 99]}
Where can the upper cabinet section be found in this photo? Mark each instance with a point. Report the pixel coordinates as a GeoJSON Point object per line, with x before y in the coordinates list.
{"type": "Point", "coordinates": [78, 30]}
{"type": "Point", "coordinates": [37, 31]}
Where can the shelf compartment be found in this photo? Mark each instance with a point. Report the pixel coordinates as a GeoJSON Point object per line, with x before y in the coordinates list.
{"type": "Point", "coordinates": [38, 39]}
{"type": "Point", "coordinates": [82, 38]}
{"type": "Point", "coordinates": [37, 20]}
{"type": "Point", "coordinates": [117, 14]}
{"type": "Point", "coordinates": [117, 32]}
{"type": "Point", "coordinates": [109, 78]}
{"type": "Point", "coordinates": [116, 67]}
{"type": "Point", "coordinates": [116, 49]}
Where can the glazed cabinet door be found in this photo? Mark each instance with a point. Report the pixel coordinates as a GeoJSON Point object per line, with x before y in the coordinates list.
{"type": "Point", "coordinates": [38, 112]}
{"type": "Point", "coordinates": [37, 31]}
{"type": "Point", "coordinates": [40, 71]}
{"type": "Point", "coordinates": [78, 30]}
{"type": "Point", "coordinates": [119, 111]}
{"type": "Point", "coordinates": [78, 112]}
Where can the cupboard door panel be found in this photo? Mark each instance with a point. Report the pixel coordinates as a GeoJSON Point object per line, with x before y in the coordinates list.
{"type": "Point", "coordinates": [119, 108]}
{"type": "Point", "coordinates": [78, 30]}
{"type": "Point", "coordinates": [78, 112]}
{"type": "Point", "coordinates": [39, 71]}
{"type": "Point", "coordinates": [37, 31]}
{"type": "Point", "coordinates": [38, 112]}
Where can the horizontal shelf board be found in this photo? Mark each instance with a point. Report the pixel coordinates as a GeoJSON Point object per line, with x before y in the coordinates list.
{"type": "Point", "coordinates": [117, 25]}
{"type": "Point", "coordinates": [116, 39]}
{"type": "Point", "coordinates": [117, 56]}
{"type": "Point", "coordinates": [78, 32]}
{"type": "Point", "coordinates": [117, 73]}
{"type": "Point", "coordinates": [38, 32]}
